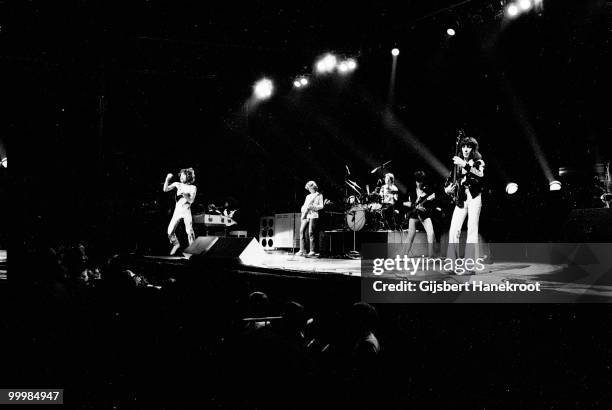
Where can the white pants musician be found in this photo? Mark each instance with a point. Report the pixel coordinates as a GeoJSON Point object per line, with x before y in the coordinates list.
{"type": "Point", "coordinates": [185, 192]}
{"type": "Point", "coordinates": [182, 211]}
{"type": "Point", "coordinates": [471, 209]}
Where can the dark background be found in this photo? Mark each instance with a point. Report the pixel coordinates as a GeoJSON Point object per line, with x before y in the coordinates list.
{"type": "Point", "coordinates": [106, 98]}
{"type": "Point", "coordinates": [102, 99]}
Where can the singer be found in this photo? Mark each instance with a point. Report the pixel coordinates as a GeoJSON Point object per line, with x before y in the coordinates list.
{"type": "Point", "coordinates": [185, 195]}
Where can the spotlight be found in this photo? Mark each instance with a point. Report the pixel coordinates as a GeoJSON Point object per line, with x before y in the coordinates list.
{"type": "Point", "coordinates": [512, 10]}
{"type": "Point", "coordinates": [450, 32]}
{"type": "Point", "coordinates": [326, 64]}
{"type": "Point", "coordinates": [343, 67]}
{"type": "Point", "coordinates": [524, 5]}
{"type": "Point", "coordinates": [4, 162]}
{"type": "Point", "coordinates": [347, 66]}
{"type": "Point", "coordinates": [555, 186]}
{"type": "Point", "coordinates": [511, 188]}
{"type": "Point", "coordinates": [395, 52]}
{"type": "Point", "coordinates": [263, 89]}
{"type": "Point", "coordinates": [300, 82]}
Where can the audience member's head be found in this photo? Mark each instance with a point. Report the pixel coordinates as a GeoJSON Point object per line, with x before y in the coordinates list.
{"type": "Point", "coordinates": [75, 261]}
{"type": "Point", "coordinates": [258, 304]}
{"type": "Point", "coordinates": [294, 319]}
{"type": "Point", "coordinates": [114, 273]}
{"type": "Point", "coordinates": [363, 318]}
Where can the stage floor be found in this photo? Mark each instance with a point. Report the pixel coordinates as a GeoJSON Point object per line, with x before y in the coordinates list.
{"type": "Point", "coordinates": [352, 267]}
{"type": "Point", "coordinates": [559, 279]}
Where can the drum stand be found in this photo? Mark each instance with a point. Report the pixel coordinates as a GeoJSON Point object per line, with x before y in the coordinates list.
{"type": "Point", "coordinates": [354, 254]}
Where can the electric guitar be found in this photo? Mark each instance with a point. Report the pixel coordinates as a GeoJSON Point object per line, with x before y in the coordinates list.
{"type": "Point", "coordinates": [306, 207]}
{"type": "Point", "coordinates": [420, 202]}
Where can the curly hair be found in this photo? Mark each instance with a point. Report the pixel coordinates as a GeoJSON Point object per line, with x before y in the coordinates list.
{"type": "Point", "coordinates": [312, 185]}
{"type": "Point", "coordinates": [189, 175]}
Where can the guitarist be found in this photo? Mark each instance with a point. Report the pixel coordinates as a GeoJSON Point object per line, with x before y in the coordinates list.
{"type": "Point", "coordinates": [421, 210]}
{"type": "Point", "coordinates": [310, 216]}
{"type": "Point", "coordinates": [467, 190]}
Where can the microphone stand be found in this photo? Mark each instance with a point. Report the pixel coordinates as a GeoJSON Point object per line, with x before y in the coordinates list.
{"type": "Point", "coordinates": [293, 217]}
{"type": "Point", "coordinates": [354, 254]}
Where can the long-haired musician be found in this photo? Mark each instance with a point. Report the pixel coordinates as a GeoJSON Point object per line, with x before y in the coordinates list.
{"type": "Point", "coordinates": [468, 191]}
{"type": "Point", "coordinates": [185, 195]}
{"type": "Point", "coordinates": [420, 210]}
{"type": "Point", "coordinates": [310, 216]}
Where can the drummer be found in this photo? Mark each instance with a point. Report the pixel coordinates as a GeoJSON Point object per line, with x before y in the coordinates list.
{"type": "Point", "coordinates": [389, 196]}
{"type": "Point", "coordinates": [389, 191]}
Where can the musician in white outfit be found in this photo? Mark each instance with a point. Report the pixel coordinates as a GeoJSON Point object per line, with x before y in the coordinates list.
{"type": "Point", "coordinates": [469, 204]}
{"type": "Point", "coordinates": [310, 216]}
{"type": "Point", "coordinates": [185, 195]}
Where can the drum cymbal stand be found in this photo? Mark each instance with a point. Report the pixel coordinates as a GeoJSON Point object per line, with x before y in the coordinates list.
{"type": "Point", "coordinates": [354, 254]}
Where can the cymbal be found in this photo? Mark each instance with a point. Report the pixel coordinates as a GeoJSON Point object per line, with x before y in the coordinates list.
{"type": "Point", "coordinates": [354, 183]}
{"type": "Point", "coordinates": [353, 187]}
{"type": "Point", "coordinates": [379, 167]}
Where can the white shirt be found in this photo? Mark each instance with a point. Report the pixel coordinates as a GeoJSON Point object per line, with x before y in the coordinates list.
{"type": "Point", "coordinates": [187, 191]}
{"type": "Point", "coordinates": [315, 200]}
{"type": "Point", "coordinates": [389, 194]}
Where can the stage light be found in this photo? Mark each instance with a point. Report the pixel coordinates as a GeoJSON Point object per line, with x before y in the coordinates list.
{"type": "Point", "coordinates": [450, 32]}
{"type": "Point", "coordinates": [395, 52]}
{"type": "Point", "coordinates": [524, 5]}
{"type": "Point", "coordinates": [347, 66]}
{"type": "Point", "coordinates": [327, 64]}
{"type": "Point", "coordinates": [555, 186]}
{"type": "Point", "coordinates": [300, 82]}
{"type": "Point", "coordinates": [511, 188]}
{"type": "Point", "coordinates": [263, 89]}
{"type": "Point", "coordinates": [4, 162]}
{"type": "Point", "coordinates": [512, 10]}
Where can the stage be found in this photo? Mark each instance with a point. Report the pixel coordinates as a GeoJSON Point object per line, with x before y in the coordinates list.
{"type": "Point", "coordinates": [566, 282]}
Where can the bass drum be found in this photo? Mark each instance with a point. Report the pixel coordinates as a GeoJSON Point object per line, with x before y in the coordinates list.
{"type": "Point", "coordinates": [356, 217]}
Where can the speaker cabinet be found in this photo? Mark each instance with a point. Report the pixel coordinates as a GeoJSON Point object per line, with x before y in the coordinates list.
{"type": "Point", "coordinates": [287, 230]}
{"type": "Point", "coordinates": [266, 232]}
{"type": "Point", "coordinates": [246, 250]}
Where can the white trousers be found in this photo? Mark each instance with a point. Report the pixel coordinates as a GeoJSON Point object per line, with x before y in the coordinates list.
{"type": "Point", "coordinates": [181, 211]}
{"type": "Point", "coordinates": [471, 209]}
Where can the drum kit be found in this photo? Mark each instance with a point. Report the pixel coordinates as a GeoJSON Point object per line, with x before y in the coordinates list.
{"type": "Point", "coordinates": [365, 209]}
